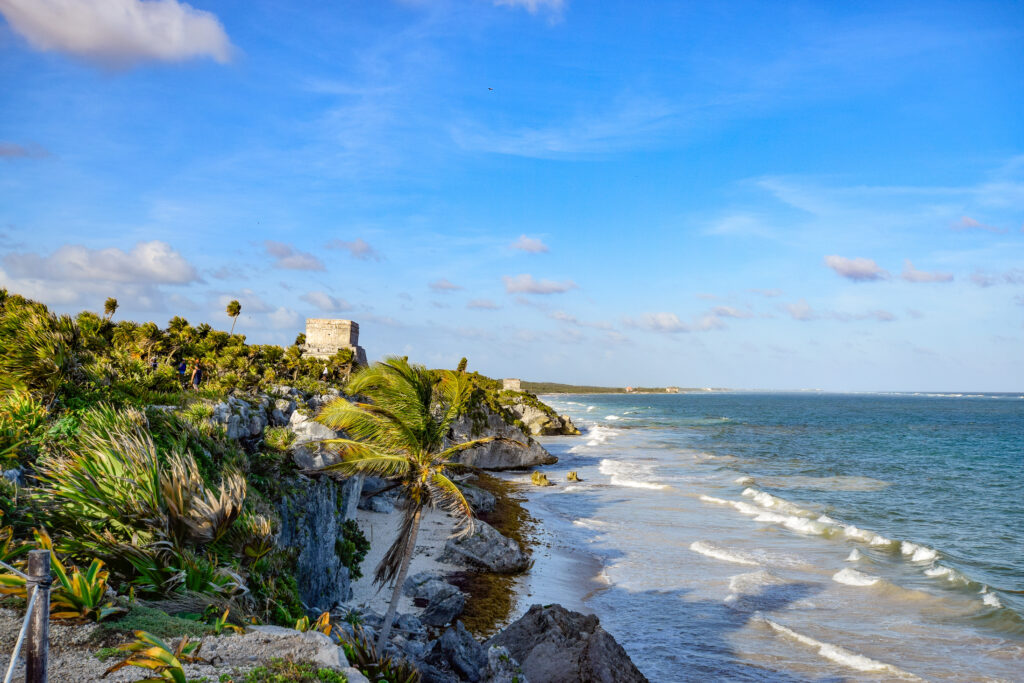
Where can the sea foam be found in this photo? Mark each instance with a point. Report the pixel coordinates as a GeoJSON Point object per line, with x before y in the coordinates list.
{"type": "Point", "coordinates": [852, 577]}
{"type": "Point", "coordinates": [719, 553]}
{"type": "Point", "coordinates": [630, 474]}
{"type": "Point", "coordinates": [842, 656]}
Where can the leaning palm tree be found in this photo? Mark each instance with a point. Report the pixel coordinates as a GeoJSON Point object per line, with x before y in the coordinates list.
{"type": "Point", "coordinates": [234, 310]}
{"type": "Point", "coordinates": [109, 307]}
{"type": "Point", "coordinates": [399, 433]}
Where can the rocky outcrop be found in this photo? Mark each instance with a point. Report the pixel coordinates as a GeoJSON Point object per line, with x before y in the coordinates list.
{"type": "Point", "coordinates": [263, 643]}
{"type": "Point", "coordinates": [540, 419]}
{"type": "Point", "coordinates": [486, 547]}
{"type": "Point", "coordinates": [555, 645]}
{"type": "Point", "coordinates": [444, 601]}
{"type": "Point", "coordinates": [480, 500]}
{"type": "Point", "coordinates": [312, 514]}
{"type": "Point", "coordinates": [306, 450]}
{"type": "Point", "coordinates": [458, 650]}
{"type": "Point", "coordinates": [502, 667]}
{"type": "Point", "coordinates": [242, 419]}
{"type": "Point", "coordinates": [497, 455]}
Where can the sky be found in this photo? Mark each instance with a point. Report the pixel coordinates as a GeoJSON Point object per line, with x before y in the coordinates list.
{"type": "Point", "coordinates": [773, 195]}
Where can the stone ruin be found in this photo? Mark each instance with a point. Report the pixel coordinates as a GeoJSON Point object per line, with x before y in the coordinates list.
{"type": "Point", "coordinates": [325, 337]}
{"type": "Point", "coordinates": [511, 384]}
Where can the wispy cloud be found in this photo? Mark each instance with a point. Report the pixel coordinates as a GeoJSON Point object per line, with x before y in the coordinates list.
{"type": "Point", "coordinates": [284, 318]}
{"type": "Point", "coordinates": [968, 223]}
{"type": "Point", "coordinates": [912, 274]}
{"type": "Point", "coordinates": [1015, 276]}
{"type": "Point", "coordinates": [730, 312]}
{"type": "Point", "coordinates": [669, 323]}
{"type": "Point", "coordinates": [444, 285]}
{"type": "Point", "coordinates": [326, 302]}
{"type": "Point", "coordinates": [530, 245]}
{"type": "Point", "coordinates": [12, 150]}
{"type": "Point", "coordinates": [771, 293]}
{"type": "Point", "coordinates": [570, 319]}
{"type": "Point", "coordinates": [119, 32]}
{"type": "Point", "coordinates": [533, 6]}
{"type": "Point", "coordinates": [482, 305]}
{"type": "Point", "coordinates": [802, 311]}
{"type": "Point", "coordinates": [289, 258]}
{"type": "Point", "coordinates": [856, 269]}
{"type": "Point", "coordinates": [249, 300]}
{"type": "Point", "coordinates": [357, 248]}
{"type": "Point", "coordinates": [526, 284]}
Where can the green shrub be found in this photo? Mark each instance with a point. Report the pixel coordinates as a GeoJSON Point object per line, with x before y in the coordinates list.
{"type": "Point", "coordinates": [352, 548]}
{"type": "Point", "coordinates": [285, 671]}
{"type": "Point", "coordinates": [22, 425]}
{"type": "Point", "coordinates": [278, 438]}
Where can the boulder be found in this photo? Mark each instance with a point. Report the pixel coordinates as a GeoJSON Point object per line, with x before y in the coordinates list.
{"type": "Point", "coordinates": [306, 451]}
{"type": "Point", "coordinates": [443, 610]}
{"type": "Point", "coordinates": [555, 645]}
{"type": "Point", "coordinates": [459, 650]}
{"type": "Point", "coordinates": [497, 455]}
{"type": "Point", "coordinates": [478, 499]}
{"type": "Point", "coordinates": [377, 504]}
{"type": "Point", "coordinates": [486, 547]}
{"type": "Point", "coordinates": [502, 667]}
{"type": "Point", "coordinates": [444, 601]}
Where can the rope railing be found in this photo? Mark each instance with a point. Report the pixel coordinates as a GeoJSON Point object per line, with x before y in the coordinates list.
{"type": "Point", "coordinates": [35, 629]}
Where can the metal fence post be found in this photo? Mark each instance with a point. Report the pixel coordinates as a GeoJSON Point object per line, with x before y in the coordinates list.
{"type": "Point", "coordinates": [39, 626]}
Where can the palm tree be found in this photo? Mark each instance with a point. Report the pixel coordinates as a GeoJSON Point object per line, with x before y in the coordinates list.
{"type": "Point", "coordinates": [234, 310]}
{"type": "Point", "coordinates": [399, 433]}
{"type": "Point", "coordinates": [109, 308]}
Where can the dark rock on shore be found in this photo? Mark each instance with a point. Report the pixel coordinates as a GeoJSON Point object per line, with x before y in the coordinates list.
{"type": "Point", "coordinates": [444, 601]}
{"type": "Point", "coordinates": [555, 645]}
{"type": "Point", "coordinates": [486, 547]}
{"type": "Point", "coordinates": [497, 455]}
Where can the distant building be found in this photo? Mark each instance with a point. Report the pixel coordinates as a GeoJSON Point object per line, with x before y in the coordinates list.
{"type": "Point", "coordinates": [671, 390]}
{"type": "Point", "coordinates": [512, 384]}
{"type": "Point", "coordinates": [325, 337]}
{"type": "Point", "coordinates": [630, 390]}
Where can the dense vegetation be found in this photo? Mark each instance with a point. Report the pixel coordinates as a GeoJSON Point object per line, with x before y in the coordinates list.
{"type": "Point", "coordinates": [107, 452]}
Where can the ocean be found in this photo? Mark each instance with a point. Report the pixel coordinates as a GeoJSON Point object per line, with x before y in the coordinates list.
{"type": "Point", "coordinates": [799, 536]}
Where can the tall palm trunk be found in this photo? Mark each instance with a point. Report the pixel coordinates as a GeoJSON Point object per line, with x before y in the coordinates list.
{"type": "Point", "coordinates": [385, 629]}
{"type": "Point", "coordinates": [233, 321]}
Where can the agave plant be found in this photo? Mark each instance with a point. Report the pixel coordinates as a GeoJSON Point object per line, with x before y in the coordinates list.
{"type": "Point", "coordinates": [218, 624]}
{"type": "Point", "coordinates": [362, 654]}
{"type": "Point", "coordinates": [322, 624]}
{"type": "Point", "coordinates": [255, 535]}
{"type": "Point", "coordinates": [76, 594]}
{"type": "Point", "coordinates": [149, 652]}
{"type": "Point", "coordinates": [194, 512]}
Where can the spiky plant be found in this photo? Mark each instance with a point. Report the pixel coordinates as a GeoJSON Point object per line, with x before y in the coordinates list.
{"type": "Point", "coordinates": [39, 351]}
{"type": "Point", "coordinates": [400, 432]}
{"type": "Point", "coordinates": [150, 652]}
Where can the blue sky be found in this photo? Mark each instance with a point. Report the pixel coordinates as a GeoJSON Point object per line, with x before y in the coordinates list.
{"type": "Point", "coordinates": [743, 194]}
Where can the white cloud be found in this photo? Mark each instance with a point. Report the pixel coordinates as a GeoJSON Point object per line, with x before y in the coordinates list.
{"type": "Point", "coordinates": [147, 263]}
{"type": "Point", "coordinates": [668, 323]}
{"type": "Point", "coordinates": [358, 248]}
{"type": "Point", "coordinates": [119, 32]}
{"type": "Point", "coordinates": [912, 274]}
{"type": "Point", "coordinates": [284, 318]}
{"type": "Point", "coordinates": [530, 245]}
{"type": "Point", "coordinates": [856, 269]}
{"type": "Point", "coordinates": [483, 305]}
{"type": "Point", "coordinates": [326, 302]}
{"type": "Point", "coordinates": [526, 284]}
{"type": "Point", "coordinates": [767, 292]}
{"type": "Point", "coordinates": [801, 310]}
{"type": "Point", "coordinates": [444, 285]}
{"type": "Point", "coordinates": [289, 258]}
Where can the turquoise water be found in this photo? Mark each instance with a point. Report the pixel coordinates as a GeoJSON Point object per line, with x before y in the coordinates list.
{"type": "Point", "coordinates": [801, 536]}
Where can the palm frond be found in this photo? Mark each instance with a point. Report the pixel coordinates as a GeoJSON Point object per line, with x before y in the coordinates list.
{"type": "Point", "coordinates": [450, 452]}
{"type": "Point", "coordinates": [444, 493]}
{"type": "Point", "coordinates": [388, 466]}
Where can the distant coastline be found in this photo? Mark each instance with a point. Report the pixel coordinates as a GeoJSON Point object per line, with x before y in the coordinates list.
{"type": "Point", "coordinates": [557, 388]}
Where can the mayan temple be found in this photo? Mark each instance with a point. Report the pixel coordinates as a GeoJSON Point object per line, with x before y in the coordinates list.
{"type": "Point", "coordinates": [325, 337]}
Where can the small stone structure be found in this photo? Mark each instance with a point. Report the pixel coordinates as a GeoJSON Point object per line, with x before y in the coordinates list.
{"type": "Point", "coordinates": [511, 384]}
{"type": "Point", "coordinates": [671, 390]}
{"type": "Point", "coordinates": [325, 337]}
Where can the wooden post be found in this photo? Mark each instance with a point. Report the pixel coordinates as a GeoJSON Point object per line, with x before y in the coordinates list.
{"type": "Point", "coordinates": [39, 627]}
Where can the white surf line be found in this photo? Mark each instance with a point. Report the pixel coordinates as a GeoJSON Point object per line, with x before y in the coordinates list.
{"type": "Point", "coordinates": [719, 553]}
{"type": "Point", "coordinates": [842, 656]}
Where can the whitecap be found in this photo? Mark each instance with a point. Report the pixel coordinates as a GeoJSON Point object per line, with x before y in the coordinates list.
{"type": "Point", "coordinates": [854, 556]}
{"type": "Point", "coordinates": [612, 417]}
{"type": "Point", "coordinates": [630, 474]}
{"type": "Point", "coordinates": [917, 553]}
{"type": "Point", "coordinates": [841, 655]}
{"type": "Point", "coordinates": [719, 553]}
{"type": "Point", "coordinates": [990, 599]}
{"type": "Point", "coordinates": [744, 481]}
{"type": "Point", "coordinates": [852, 577]}
{"type": "Point", "coordinates": [767, 500]}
